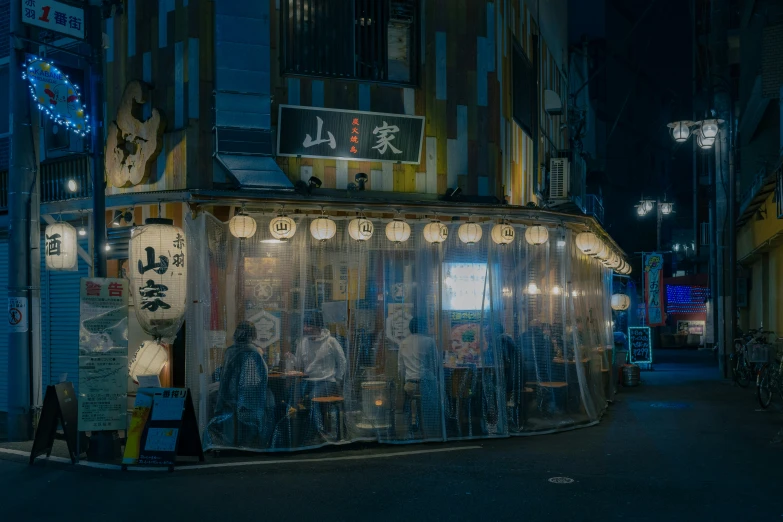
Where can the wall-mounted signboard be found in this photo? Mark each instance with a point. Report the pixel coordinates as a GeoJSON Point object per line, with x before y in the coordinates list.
{"type": "Point", "coordinates": [312, 132]}
{"type": "Point", "coordinates": [54, 16]}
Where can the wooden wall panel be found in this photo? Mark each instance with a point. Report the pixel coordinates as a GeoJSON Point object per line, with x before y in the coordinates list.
{"type": "Point", "coordinates": [153, 29]}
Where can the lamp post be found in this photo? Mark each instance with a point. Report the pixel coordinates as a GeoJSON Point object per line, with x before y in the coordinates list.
{"type": "Point", "coordinates": [663, 208]}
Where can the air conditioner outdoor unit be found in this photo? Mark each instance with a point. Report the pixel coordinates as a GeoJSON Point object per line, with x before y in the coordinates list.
{"type": "Point", "coordinates": [559, 176]}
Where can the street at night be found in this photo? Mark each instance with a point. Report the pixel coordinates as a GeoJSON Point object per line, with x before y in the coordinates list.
{"type": "Point", "coordinates": [684, 446]}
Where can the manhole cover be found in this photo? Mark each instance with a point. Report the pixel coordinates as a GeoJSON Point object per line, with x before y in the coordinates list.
{"type": "Point", "coordinates": [670, 405]}
{"type": "Point", "coordinates": [561, 480]}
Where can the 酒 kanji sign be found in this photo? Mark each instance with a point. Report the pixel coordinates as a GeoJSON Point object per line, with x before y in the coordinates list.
{"type": "Point", "coordinates": [54, 16]}
{"type": "Point", "coordinates": [312, 132]}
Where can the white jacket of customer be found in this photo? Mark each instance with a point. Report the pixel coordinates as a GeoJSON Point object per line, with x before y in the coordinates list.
{"type": "Point", "coordinates": [321, 358]}
{"type": "Point", "coordinates": [418, 358]}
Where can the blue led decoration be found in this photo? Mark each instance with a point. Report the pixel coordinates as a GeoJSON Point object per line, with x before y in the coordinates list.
{"type": "Point", "coordinates": [55, 95]}
{"type": "Point", "coordinates": [682, 299]}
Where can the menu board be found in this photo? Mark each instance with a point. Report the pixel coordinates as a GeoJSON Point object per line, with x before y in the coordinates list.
{"type": "Point", "coordinates": [640, 343]}
{"type": "Point", "coordinates": [690, 327]}
{"type": "Point", "coordinates": [163, 426]}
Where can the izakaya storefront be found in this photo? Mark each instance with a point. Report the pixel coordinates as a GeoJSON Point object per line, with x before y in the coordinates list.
{"type": "Point", "coordinates": [312, 327]}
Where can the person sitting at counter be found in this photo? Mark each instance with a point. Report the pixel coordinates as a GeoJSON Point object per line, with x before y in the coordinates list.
{"type": "Point", "coordinates": [321, 358]}
{"type": "Point", "coordinates": [239, 417]}
{"type": "Point", "coordinates": [418, 367]}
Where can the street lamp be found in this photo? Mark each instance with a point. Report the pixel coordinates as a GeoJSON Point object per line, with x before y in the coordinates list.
{"type": "Point", "coordinates": [703, 141]}
{"type": "Point", "coordinates": [681, 130]}
{"type": "Point", "coordinates": [665, 208]}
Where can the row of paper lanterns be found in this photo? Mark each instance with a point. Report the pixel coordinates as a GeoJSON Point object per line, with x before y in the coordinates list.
{"type": "Point", "coordinates": [324, 228]}
{"type": "Point", "coordinates": [593, 246]}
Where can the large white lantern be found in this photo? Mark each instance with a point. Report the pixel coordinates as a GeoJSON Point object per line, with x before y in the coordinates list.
{"type": "Point", "coordinates": [242, 226]}
{"type": "Point", "coordinates": [360, 229]}
{"type": "Point", "coordinates": [158, 274]}
{"type": "Point", "coordinates": [503, 234]}
{"type": "Point", "coordinates": [589, 243]}
{"type": "Point", "coordinates": [398, 231]}
{"type": "Point", "coordinates": [150, 359]}
{"type": "Point", "coordinates": [469, 233]}
{"type": "Point", "coordinates": [680, 130]}
{"type": "Point", "coordinates": [620, 302]}
{"type": "Point", "coordinates": [323, 228]}
{"type": "Point", "coordinates": [536, 235]}
{"type": "Point", "coordinates": [282, 228]}
{"type": "Point", "coordinates": [60, 244]}
{"type": "Point", "coordinates": [436, 232]}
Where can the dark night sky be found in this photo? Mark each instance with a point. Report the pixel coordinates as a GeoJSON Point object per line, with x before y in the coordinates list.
{"type": "Point", "coordinates": [661, 47]}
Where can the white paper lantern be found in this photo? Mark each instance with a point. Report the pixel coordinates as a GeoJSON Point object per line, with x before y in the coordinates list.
{"type": "Point", "coordinates": [158, 274]}
{"type": "Point", "coordinates": [588, 243]}
{"type": "Point", "coordinates": [503, 234]}
{"type": "Point", "coordinates": [536, 235]}
{"type": "Point", "coordinates": [436, 232]}
{"type": "Point", "coordinates": [603, 253]}
{"type": "Point", "coordinates": [150, 359]}
{"type": "Point", "coordinates": [360, 229]}
{"type": "Point", "coordinates": [323, 228]}
{"type": "Point", "coordinates": [60, 244]}
{"type": "Point", "coordinates": [398, 231]}
{"type": "Point", "coordinates": [620, 302]}
{"type": "Point", "coordinates": [282, 228]}
{"type": "Point", "coordinates": [469, 233]}
{"type": "Point", "coordinates": [242, 226]}
{"type": "Point", "coordinates": [614, 261]}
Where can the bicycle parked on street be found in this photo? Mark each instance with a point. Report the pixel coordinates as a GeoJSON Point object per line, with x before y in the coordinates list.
{"type": "Point", "coordinates": [770, 376]}
{"type": "Point", "coordinates": [743, 366]}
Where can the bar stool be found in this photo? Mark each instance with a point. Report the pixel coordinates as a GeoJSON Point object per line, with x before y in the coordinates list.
{"type": "Point", "coordinates": [326, 404]}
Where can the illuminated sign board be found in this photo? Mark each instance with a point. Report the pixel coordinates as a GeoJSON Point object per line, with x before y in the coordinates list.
{"type": "Point", "coordinates": [56, 96]}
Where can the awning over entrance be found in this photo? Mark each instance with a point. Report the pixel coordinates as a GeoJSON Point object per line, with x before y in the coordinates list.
{"type": "Point", "coordinates": [253, 171]}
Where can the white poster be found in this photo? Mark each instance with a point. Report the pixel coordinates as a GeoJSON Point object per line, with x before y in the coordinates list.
{"type": "Point", "coordinates": [103, 354]}
{"type": "Point", "coordinates": [18, 315]}
{"type": "Point", "coordinates": [102, 392]}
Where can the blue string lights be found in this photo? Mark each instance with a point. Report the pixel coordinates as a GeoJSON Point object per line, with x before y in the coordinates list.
{"type": "Point", "coordinates": [682, 299]}
{"type": "Point", "coordinates": [56, 95]}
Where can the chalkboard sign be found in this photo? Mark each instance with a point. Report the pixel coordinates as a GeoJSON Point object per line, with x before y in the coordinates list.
{"type": "Point", "coordinates": [163, 426]}
{"type": "Point", "coordinates": [640, 345]}
{"type": "Point", "coordinates": [60, 406]}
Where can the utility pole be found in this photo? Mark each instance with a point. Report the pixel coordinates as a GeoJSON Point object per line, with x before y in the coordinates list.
{"type": "Point", "coordinates": [660, 220]}
{"type": "Point", "coordinates": [95, 38]}
{"type": "Point", "coordinates": [22, 192]}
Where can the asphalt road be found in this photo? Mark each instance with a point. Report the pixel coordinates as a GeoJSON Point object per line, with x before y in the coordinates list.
{"type": "Point", "coordinates": [683, 446]}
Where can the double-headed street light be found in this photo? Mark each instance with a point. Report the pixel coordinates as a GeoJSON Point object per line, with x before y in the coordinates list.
{"type": "Point", "coordinates": [664, 208]}
{"type": "Point", "coordinates": [705, 131]}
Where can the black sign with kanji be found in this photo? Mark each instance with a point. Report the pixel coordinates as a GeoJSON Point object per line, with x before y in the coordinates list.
{"type": "Point", "coordinates": [312, 132]}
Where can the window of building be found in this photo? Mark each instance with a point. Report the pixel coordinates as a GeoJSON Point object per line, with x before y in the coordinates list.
{"type": "Point", "coordinates": [373, 40]}
{"type": "Point", "coordinates": [524, 89]}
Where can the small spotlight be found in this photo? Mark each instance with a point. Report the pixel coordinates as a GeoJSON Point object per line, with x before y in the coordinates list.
{"type": "Point", "coordinates": [361, 179]}
{"type": "Point", "coordinates": [107, 247]}
{"type": "Point", "coordinates": [561, 242]}
{"type": "Point", "coordinates": [72, 185]}
{"type": "Point", "coordinates": [82, 231]}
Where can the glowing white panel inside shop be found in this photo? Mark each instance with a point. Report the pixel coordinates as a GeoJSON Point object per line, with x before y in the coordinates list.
{"type": "Point", "coordinates": [463, 286]}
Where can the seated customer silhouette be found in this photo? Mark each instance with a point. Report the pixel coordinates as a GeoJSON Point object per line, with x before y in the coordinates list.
{"type": "Point", "coordinates": [321, 358]}
{"type": "Point", "coordinates": [240, 418]}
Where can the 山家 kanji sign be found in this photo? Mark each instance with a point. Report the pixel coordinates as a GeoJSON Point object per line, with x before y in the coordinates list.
{"type": "Point", "coordinates": [312, 132]}
{"type": "Point", "coordinates": [54, 16]}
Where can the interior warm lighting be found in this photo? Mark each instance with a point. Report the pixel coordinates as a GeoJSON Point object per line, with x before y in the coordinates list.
{"type": "Point", "coordinates": [556, 290]}
{"type": "Point", "coordinates": [532, 289]}
{"type": "Point", "coordinates": [379, 402]}
{"type": "Point", "coordinates": [272, 241]}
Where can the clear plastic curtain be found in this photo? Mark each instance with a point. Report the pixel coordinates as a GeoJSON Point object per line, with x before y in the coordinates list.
{"type": "Point", "coordinates": [303, 343]}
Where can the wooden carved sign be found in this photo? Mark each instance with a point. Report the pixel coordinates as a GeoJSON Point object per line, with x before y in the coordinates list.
{"type": "Point", "coordinates": [133, 145]}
